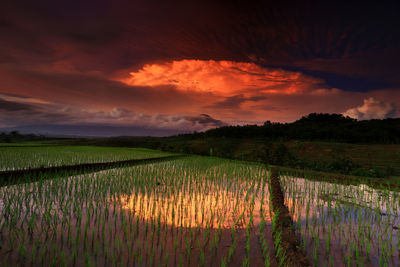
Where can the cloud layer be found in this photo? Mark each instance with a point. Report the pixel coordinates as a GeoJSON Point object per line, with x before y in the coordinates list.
{"type": "Point", "coordinates": [21, 113]}
{"type": "Point", "coordinates": [158, 65]}
{"type": "Point", "coordinates": [222, 77]}
{"type": "Point", "coordinates": [372, 109]}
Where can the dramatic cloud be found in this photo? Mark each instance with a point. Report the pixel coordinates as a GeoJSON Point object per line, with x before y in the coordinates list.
{"type": "Point", "coordinates": [222, 77]}
{"type": "Point", "coordinates": [204, 121]}
{"type": "Point", "coordinates": [149, 65]}
{"type": "Point", "coordinates": [116, 121]}
{"type": "Point", "coordinates": [8, 106]}
{"type": "Point", "coordinates": [372, 109]}
{"type": "Point", "coordinates": [235, 102]}
{"type": "Point", "coordinates": [19, 110]}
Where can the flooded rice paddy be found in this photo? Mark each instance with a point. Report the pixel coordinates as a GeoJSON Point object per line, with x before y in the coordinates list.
{"type": "Point", "coordinates": [189, 212]}
{"type": "Point", "coordinates": [192, 211]}
{"type": "Point", "coordinates": [344, 225]}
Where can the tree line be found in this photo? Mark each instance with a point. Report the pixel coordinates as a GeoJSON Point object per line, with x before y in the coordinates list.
{"type": "Point", "coordinates": [15, 136]}
{"type": "Point", "coordinates": [314, 127]}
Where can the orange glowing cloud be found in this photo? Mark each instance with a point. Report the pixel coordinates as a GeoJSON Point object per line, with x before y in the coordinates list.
{"type": "Point", "coordinates": [226, 78]}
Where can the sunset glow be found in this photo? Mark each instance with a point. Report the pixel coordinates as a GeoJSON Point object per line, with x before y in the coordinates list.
{"type": "Point", "coordinates": [222, 77]}
{"type": "Point", "coordinates": [199, 133]}
{"type": "Point", "coordinates": [165, 68]}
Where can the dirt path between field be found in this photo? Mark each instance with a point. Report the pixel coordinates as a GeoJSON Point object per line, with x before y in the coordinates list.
{"type": "Point", "coordinates": [34, 174]}
{"type": "Point", "coordinates": [291, 254]}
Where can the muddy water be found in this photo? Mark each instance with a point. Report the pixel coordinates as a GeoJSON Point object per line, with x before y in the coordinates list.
{"type": "Point", "coordinates": [341, 225]}
{"type": "Point", "coordinates": [179, 213]}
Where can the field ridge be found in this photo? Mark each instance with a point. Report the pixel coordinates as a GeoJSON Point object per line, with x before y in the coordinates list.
{"type": "Point", "coordinates": [287, 245]}
{"type": "Point", "coordinates": [15, 176]}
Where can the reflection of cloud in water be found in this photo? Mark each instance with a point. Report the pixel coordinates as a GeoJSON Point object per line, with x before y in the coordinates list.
{"type": "Point", "coordinates": [156, 209]}
{"type": "Point", "coordinates": [213, 208]}
{"type": "Point", "coordinates": [361, 195]}
{"type": "Point", "coordinates": [347, 216]}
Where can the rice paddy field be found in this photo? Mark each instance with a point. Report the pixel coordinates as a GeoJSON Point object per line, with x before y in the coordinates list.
{"type": "Point", "coordinates": [194, 211]}
{"type": "Point", "coordinates": [189, 211]}
{"type": "Point", "coordinates": [344, 224]}
{"type": "Point", "coordinates": [25, 157]}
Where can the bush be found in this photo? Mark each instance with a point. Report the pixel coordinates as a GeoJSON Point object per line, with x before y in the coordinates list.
{"type": "Point", "coordinates": [343, 165]}
{"type": "Point", "coordinates": [278, 154]}
{"type": "Point", "coordinates": [373, 172]}
{"type": "Point", "coordinates": [390, 171]}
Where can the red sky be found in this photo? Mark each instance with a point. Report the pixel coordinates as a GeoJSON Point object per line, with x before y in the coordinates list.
{"type": "Point", "coordinates": [158, 69]}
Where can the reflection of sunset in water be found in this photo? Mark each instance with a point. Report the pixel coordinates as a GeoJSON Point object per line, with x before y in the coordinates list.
{"type": "Point", "coordinates": [208, 204]}
{"type": "Point", "coordinates": [168, 213]}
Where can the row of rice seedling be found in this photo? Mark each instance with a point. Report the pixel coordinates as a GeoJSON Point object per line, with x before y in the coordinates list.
{"type": "Point", "coordinates": [16, 158]}
{"type": "Point", "coordinates": [345, 224]}
{"type": "Point", "coordinates": [193, 211]}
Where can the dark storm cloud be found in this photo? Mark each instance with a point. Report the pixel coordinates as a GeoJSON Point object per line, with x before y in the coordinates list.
{"type": "Point", "coordinates": [13, 106]}
{"type": "Point", "coordinates": [76, 53]}
{"type": "Point", "coordinates": [235, 102]}
{"type": "Point", "coordinates": [267, 107]}
{"type": "Point", "coordinates": [205, 120]}
{"type": "Point", "coordinates": [347, 81]}
{"type": "Point", "coordinates": [26, 114]}
{"type": "Point", "coordinates": [120, 34]}
{"type": "Point", "coordinates": [56, 119]}
{"type": "Point", "coordinates": [86, 89]}
{"type": "Point", "coordinates": [92, 130]}
{"type": "Point", "coordinates": [163, 125]}
{"type": "Point", "coordinates": [18, 113]}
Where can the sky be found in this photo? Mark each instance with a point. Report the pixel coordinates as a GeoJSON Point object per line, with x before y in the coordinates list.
{"type": "Point", "coordinates": [109, 68]}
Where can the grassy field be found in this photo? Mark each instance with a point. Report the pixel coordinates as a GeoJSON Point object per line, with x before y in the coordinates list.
{"type": "Point", "coordinates": [27, 144]}
{"type": "Point", "coordinates": [33, 156]}
{"type": "Point", "coordinates": [373, 160]}
{"type": "Point", "coordinates": [371, 155]}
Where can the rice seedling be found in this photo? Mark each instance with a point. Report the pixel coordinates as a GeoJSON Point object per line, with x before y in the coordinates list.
{"type": "Point", "coordinates": [355, 223]}
{"type": "Point", "coordinates": [191, 210]}
{"type": "Point", "coordinates": [16, 158]}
